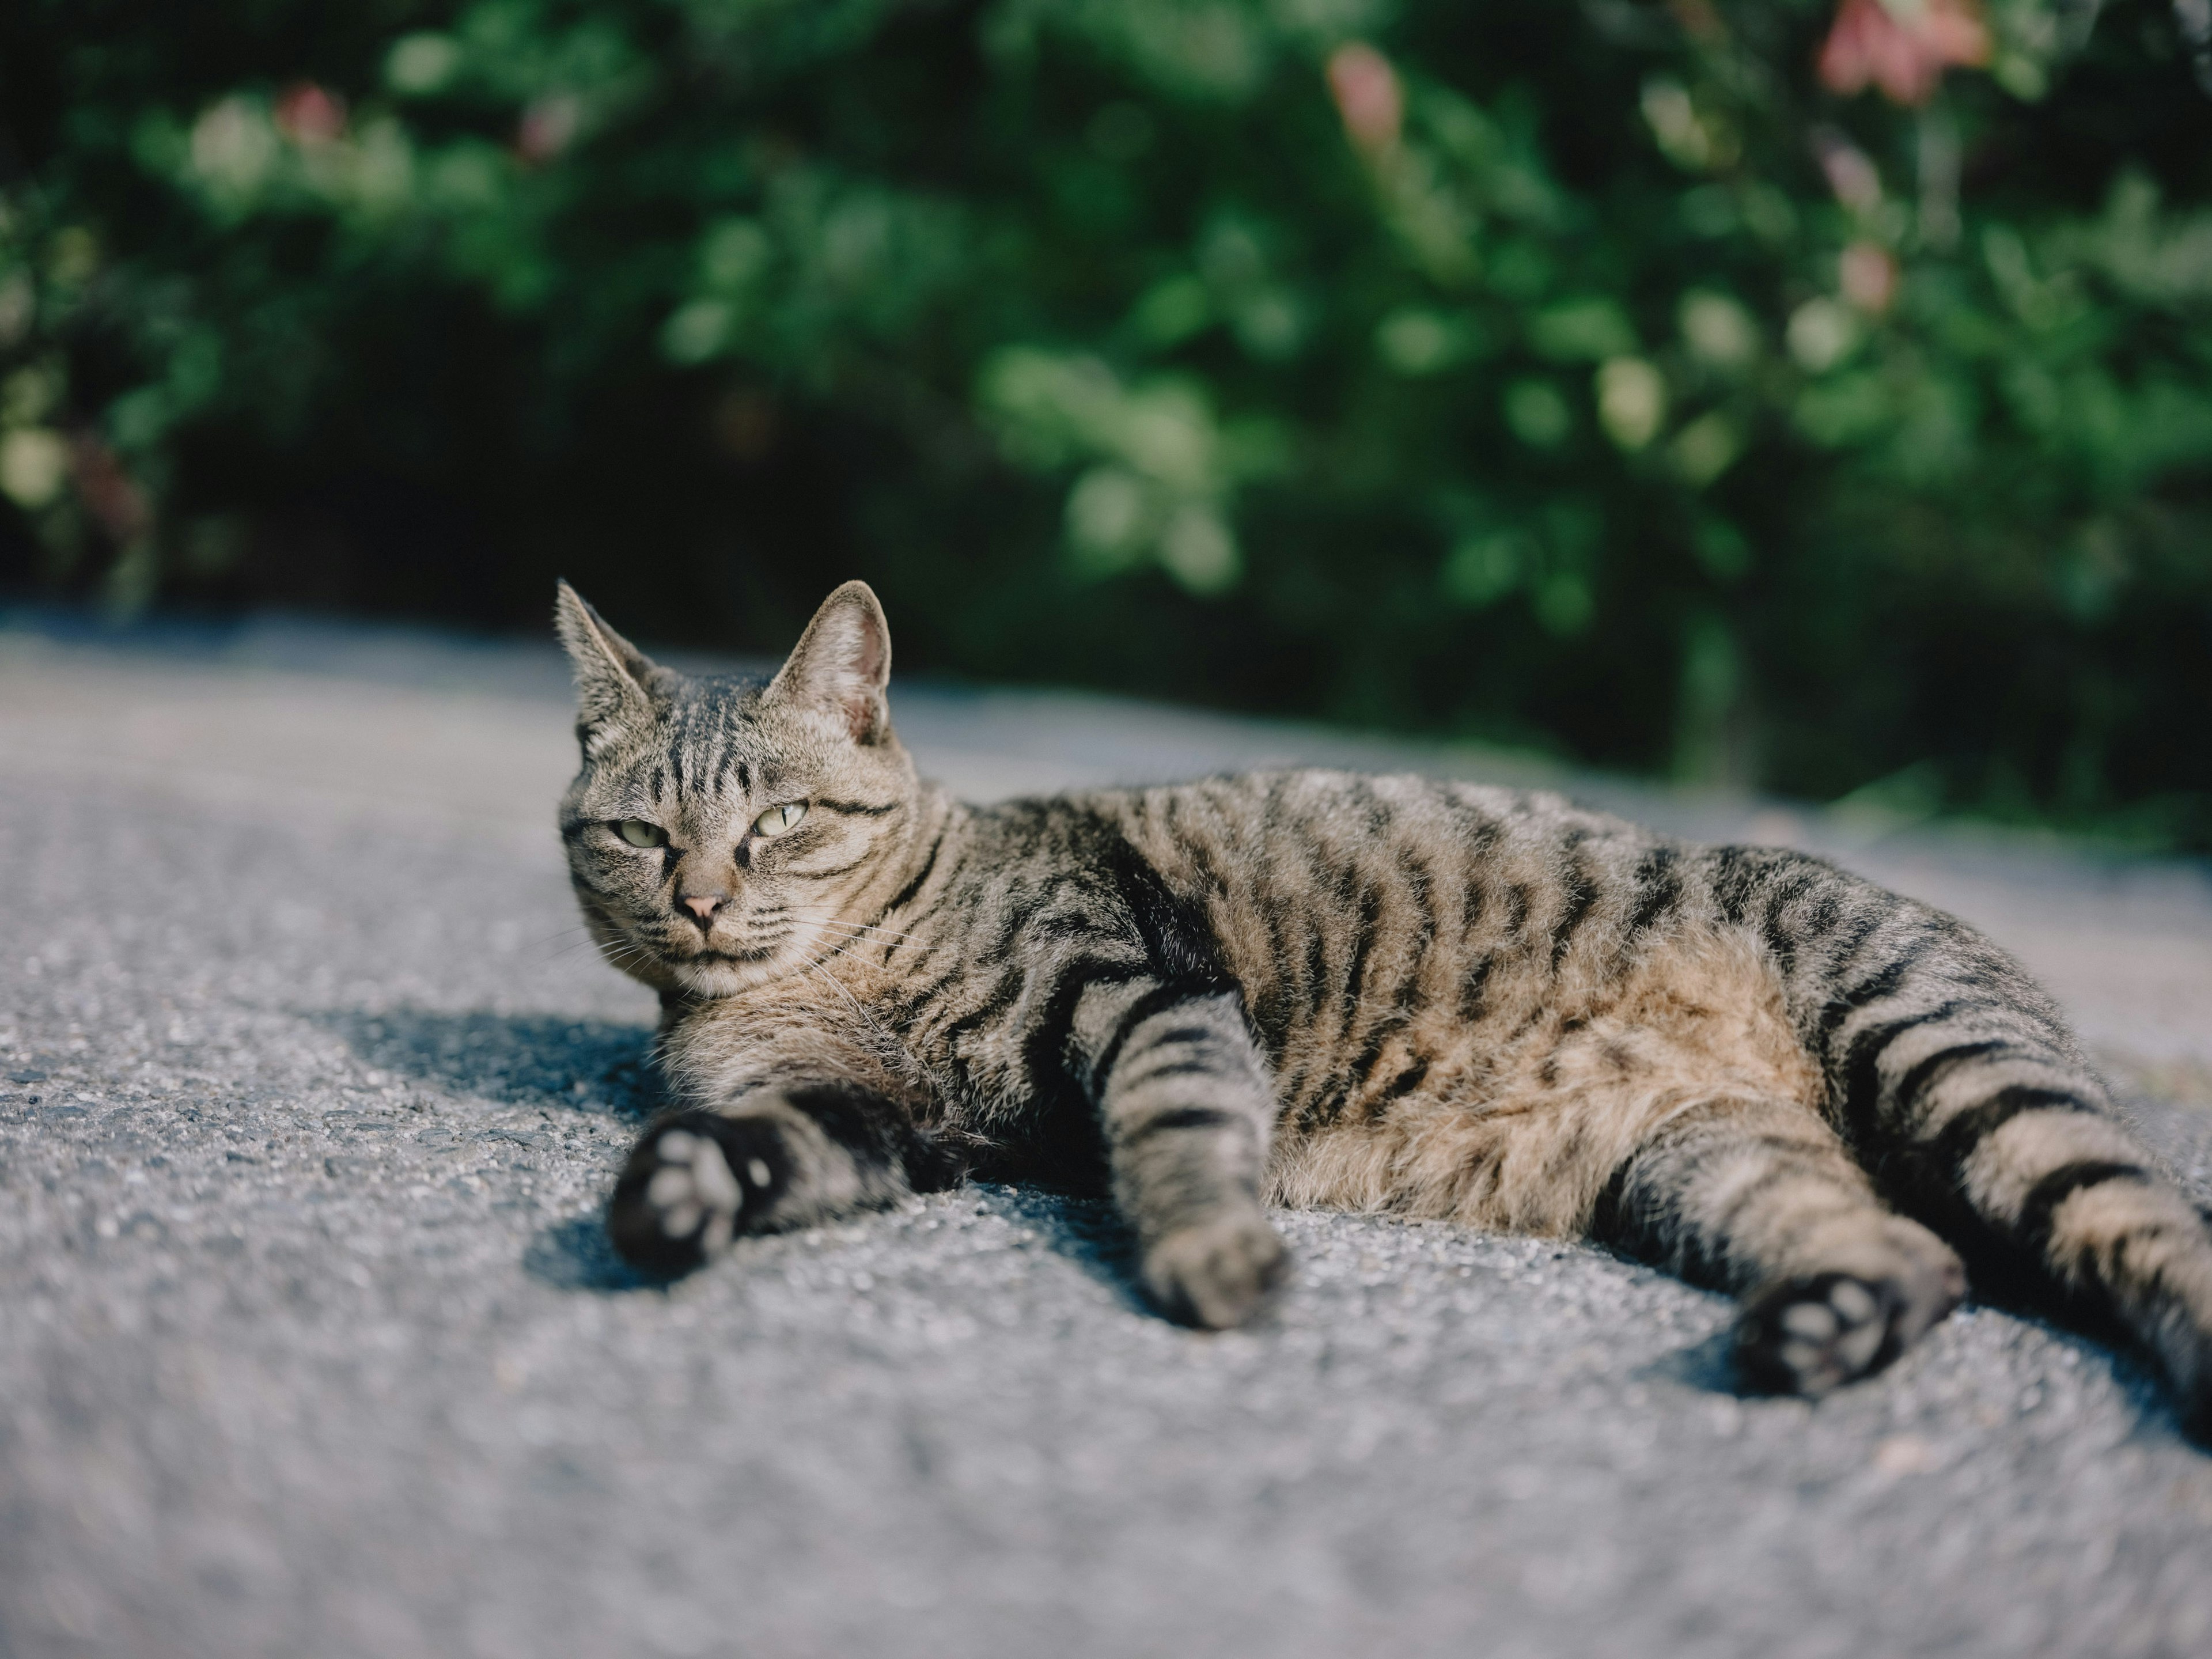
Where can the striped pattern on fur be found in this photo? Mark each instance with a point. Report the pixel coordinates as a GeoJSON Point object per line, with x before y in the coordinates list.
{"type": "Point", "coordinates": [1387, 994]}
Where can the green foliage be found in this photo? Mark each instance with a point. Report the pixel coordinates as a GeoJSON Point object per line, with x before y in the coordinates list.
{"type": "Point", "coordinates": [1584, 376]}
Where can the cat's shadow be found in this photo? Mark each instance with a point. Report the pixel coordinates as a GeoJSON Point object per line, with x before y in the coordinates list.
{"type": "Point", "coordinates": [1089, 1232]}
{"type": "Point", "coordinates": [1706, 1367]}
{"type": "Point", "coordinates": [576, 1253]}
{"type": "Point", "coordinates": [592, 1066]}
{"type": "Point", "coordinates": [526, 1060]}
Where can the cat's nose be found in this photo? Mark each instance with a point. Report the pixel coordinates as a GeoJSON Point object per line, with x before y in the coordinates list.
{"type": "Point", "coordinates": [702, 905]}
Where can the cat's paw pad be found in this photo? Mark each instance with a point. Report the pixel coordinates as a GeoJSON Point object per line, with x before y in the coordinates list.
{"type": "Point", "coordinates": [1811, 1334]}
{"type": "Point", "coordinates": [1216, 1272]}
{"type": "Point", "coordinates": [692, 1185]}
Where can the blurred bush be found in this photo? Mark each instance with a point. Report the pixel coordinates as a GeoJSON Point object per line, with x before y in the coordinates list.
{"type": "Point", "coordinates": [1756, 390]}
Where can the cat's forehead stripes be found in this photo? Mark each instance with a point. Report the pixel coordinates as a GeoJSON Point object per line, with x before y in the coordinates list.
{"type": "Point", "coordinates": [708, 730]}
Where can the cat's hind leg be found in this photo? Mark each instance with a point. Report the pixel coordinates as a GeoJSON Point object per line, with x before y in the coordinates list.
{"type": "Point", "coordinates": [1758, 1198]}
{"type": "Point", "coordinates": [1994, 1132]}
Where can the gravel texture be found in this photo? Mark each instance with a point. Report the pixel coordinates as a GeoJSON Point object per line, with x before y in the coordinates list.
{"type": "Point", "coordinates": [309, 1344]}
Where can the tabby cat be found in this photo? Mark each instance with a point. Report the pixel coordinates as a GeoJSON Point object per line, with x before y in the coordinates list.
{"type": "Point", "coordinates": [1389, 995]}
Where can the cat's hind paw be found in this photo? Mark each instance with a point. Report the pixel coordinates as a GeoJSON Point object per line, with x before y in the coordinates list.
{"type": "Point", "coordinates": [1216, 1272]}
{"type": "Point", "coordinates": [695, 1181]}
{"type": "Point", "coordinates": [1812, 1334]}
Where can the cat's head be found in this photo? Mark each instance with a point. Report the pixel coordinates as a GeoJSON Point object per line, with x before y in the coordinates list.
{"type": "Point", "coordinates": [721, 831]}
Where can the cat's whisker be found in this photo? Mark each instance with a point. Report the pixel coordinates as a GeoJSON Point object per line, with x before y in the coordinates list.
{"type": "Point", "coordinates": [829, 980]}
{"type": "Point", "coordinates": [624, 955]}
{"type": "Point", "coordinates": [876, 928]}
{"type": "Point", "coordinates": [845, 950]}
{"type": "Point", "coordinates": [572, 948]}
{"type": "Point", "coordinates": [851, 938]}
{"type": "Point", "coordinates": [861, 931]}
{"type": "Point", "coordinates": [830, 910]}
{"type": "Point", "coordinates": [854, 939]}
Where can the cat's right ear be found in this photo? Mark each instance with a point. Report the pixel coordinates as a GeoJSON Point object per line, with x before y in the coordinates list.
{"type": "Point", "coordinates": [611, 673]}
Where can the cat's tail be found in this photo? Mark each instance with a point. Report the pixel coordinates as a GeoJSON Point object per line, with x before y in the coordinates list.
{"type": "Point", "coordinates": [1958, 1085]}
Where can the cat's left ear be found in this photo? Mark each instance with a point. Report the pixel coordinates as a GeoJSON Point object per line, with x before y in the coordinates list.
{"type": "Point", "coordinates": [842, 663]}
{"type": "Point", "coordinates": [612, 675]}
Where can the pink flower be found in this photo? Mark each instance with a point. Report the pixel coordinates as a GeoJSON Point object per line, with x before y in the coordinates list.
{"type": "Point", "coordinates": [1368, 96]}
{"type": "Point", "coordinates": [1903, 46]}
{"type": "Point", "coordinates": [548, 126]}
{"type": "Point", "coordinates": [1868, 272]}
{"type": "Point", "coordinates": [1851, 175]}
{"type": "Point", "coordinates": [308, 115]}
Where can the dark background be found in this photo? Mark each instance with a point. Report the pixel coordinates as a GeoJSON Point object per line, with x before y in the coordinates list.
{"type": "Point", "coordinates": [1591, 378]}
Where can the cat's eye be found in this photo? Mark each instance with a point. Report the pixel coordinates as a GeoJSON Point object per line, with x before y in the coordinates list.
{"type": "Point", "coordinates": [777, 819]}
{"type": "Point", "coordinates": [638, 833]}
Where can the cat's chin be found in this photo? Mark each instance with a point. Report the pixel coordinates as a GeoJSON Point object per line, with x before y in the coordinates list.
{"type": "Point", "coordinates": [720, 978]}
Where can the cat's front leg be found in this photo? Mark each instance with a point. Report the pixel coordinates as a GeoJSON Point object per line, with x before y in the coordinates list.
{"type": "Point", "coordinates": [773, 1159]}
{"type": "Point", "coordinates": [1188, 1110]}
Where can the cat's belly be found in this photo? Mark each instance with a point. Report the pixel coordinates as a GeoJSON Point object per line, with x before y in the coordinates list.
{"type": "Point", "coordinates": [1518, 1119]}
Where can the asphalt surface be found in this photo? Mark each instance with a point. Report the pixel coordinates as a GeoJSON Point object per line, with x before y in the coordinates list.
{"type": "Point", "coordinates": [309, 1344]}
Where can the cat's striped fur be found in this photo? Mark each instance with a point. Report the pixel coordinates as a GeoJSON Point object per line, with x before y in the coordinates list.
{"type": "Point", "coordinates": [1386, 995]}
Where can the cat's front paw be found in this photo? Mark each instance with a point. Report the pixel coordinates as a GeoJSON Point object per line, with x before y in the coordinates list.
{"type": "Point", "coordinates": [1810, 1336]}
{"type": "Point", "coordinates": [695, 1181]}
{"type": "Point", "coordinates": [1216, 1272]}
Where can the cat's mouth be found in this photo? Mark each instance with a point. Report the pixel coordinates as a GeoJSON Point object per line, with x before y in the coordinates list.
{"type": "Point", "coordinates": [760, 954]}
{"type": "Point", "coordinates": [686, 946]}
{"type": "Point", "coordinates": [716, 969]}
